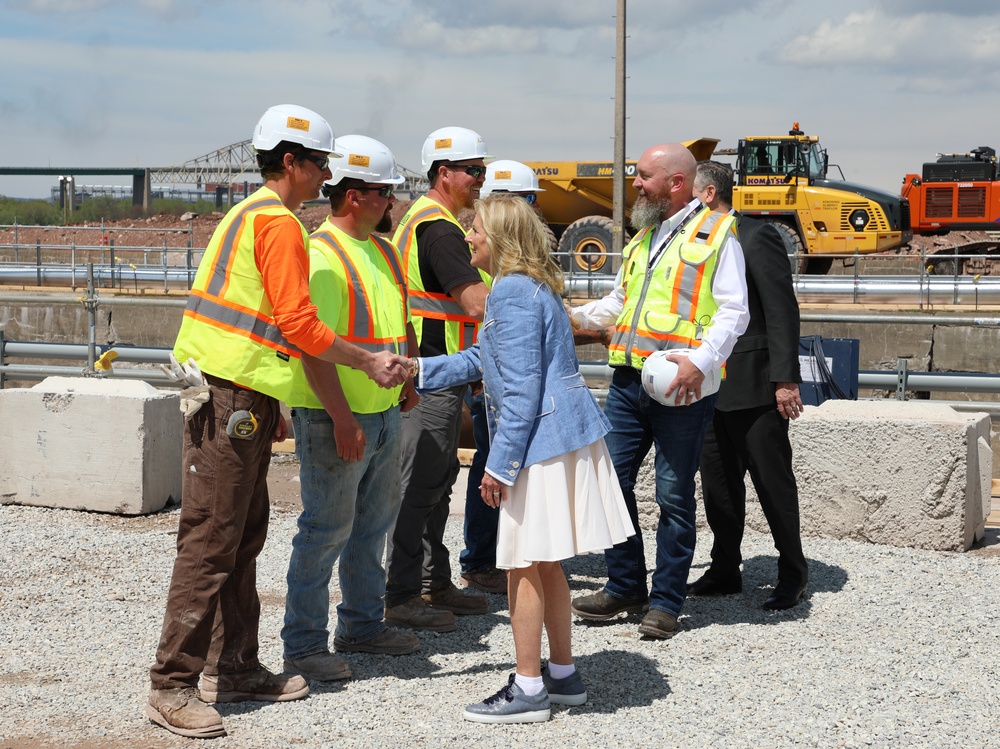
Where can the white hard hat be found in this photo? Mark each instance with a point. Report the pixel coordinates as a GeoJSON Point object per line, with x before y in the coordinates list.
{"type": "Point", "coordinates": [509, 176]}
{"type": "Point", "coordinates": [452, 144]}
{"type": "Point", "coordinates": [364, 158]}
{"type": "Point", "coordinates": [658, 372]}
{"type": "Point", "coordinates": [293, 124]}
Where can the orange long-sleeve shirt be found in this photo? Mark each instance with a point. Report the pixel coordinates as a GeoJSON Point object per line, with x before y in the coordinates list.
{"type": "Point", "coordinates": [281, 257]}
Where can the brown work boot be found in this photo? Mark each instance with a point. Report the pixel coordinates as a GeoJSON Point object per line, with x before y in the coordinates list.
{"type": "Point", "coordinates": [182, 711]}
{"type": "Point", "coordinates": [460, 603]}
{"type": "Point", "coordinates": [488, 581]}
{"type": "Point", "coordinates": [658, 624]}
{"type": "Point", "coordinates": [258, 685]}
{"type": "Point", "coordinates": [602, 605]}
{"type": "Point", "coordinates": [322, 666]}
{"type": "Point", "coordinates": [388, 642]}
{"type": "Point", "coordinates": [416, 614]}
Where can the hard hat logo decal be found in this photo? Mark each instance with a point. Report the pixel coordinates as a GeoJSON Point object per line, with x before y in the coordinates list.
{"type": "Point", "coordinates": [357, 159]}
{"type": "Point", "coordinates": [503, 175]}
{"type": "Point", "coordinates": [442, 143]}
{"type": "Point", "coordinates": [297, 123]}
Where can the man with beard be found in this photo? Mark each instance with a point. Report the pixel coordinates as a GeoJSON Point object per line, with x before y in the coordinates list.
{"type": "Point", "coordinates": [682, 285]}
{"type": "Point", "coordinates": [347, 431]}
{"type": "Point", "coordinates": [448, 297]}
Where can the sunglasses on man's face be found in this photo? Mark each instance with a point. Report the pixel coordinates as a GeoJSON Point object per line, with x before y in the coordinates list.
{"type": "Point", "coordinates": [384, 191]}
{"type": "Point", "coordinates": [322, 162]}
{"type": "Point", "coordinates": [476, 172]}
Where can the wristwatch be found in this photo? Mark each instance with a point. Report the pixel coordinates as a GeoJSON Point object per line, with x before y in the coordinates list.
{"type": "Point", "coordinates": [414, 367]}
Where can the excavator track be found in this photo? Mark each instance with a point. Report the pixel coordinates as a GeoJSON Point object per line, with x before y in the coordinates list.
{"type": "Point", "coordinates": [984, 259]}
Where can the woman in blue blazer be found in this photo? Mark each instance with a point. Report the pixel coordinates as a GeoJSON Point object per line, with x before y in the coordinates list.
{"type": "Point", "coordinates": [548, 468]}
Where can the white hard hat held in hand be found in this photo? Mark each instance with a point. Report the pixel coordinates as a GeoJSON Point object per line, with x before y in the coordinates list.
{"type": "Point", "coordinates": [658, 372]}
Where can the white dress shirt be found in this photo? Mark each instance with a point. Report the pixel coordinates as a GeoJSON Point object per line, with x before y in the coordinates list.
{"type": "Point", "coordinates": [729, 287]}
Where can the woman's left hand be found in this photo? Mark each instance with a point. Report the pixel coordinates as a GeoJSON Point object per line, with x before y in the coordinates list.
{"type": "Point", "coordinates": [492, 491]}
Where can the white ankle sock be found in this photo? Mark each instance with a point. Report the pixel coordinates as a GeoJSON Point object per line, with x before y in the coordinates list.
{"type": "Point", "coordinates": [559, 671]}
{"type": "Point", "coordinates": [530, 685]}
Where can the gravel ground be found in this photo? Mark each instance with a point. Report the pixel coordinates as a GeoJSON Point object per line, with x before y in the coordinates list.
{"type": "Point", "coordinates": [894, 648]}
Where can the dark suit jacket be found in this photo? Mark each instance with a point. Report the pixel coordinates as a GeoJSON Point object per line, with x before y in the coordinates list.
{"type": "Point", "coordinates": [768, 351]}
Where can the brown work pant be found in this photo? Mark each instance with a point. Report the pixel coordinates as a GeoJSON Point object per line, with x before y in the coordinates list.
{"type": "Point", "coordinates": [213, 611]}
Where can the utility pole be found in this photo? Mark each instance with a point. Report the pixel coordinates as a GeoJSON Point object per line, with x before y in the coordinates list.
{"type": "Point", "coordinates": [618, 186]}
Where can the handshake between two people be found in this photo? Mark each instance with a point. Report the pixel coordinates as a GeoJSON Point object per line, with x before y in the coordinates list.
{"type": "Point", "coordinates": [388, 370]}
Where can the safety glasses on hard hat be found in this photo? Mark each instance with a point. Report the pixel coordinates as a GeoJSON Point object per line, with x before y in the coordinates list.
{"type": "Point", "coordinates": [476, 172]}
{"type": "Point", "coordinates": [384, 191]}
{"type": "Point", "coordinates": [529, 196]}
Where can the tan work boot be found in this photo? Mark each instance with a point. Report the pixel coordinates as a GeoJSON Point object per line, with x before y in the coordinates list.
{"type": "Point", "coordinates": [416, 614]}
{"type": "Point", "coordinates": [456, 601]}
{"type": "Point", "coordinates": [183, 712]}
{"type": "Point", "coordinates": [259, 685]}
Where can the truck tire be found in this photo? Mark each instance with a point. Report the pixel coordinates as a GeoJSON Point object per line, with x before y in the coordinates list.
{"type": "Point", "coordinates": [586, 246]}
{"type": "Point", "coordinates": [553, 240]}
{"type": "Point", "coordinates": [796, 250]}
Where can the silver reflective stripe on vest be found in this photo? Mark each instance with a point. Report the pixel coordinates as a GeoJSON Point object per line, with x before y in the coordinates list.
{"type": "Point", "coordinates": [362, 316]}
{"type": "Point", "coordinates": [467, 334]}
{"type": "Point", "coordinates": [441, 306]}
{"type": "Point", "coordinates": [228, 244]}
{"type": "Point", "coordinates": [250, 324]}
{"type": "Point", "coordinates": [393, 259]}
{"type": "Point", "coordinates": [688, 275]}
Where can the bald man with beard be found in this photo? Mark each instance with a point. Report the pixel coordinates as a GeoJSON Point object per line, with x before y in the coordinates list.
{"type": "Point", "coordinates": [682, 285]}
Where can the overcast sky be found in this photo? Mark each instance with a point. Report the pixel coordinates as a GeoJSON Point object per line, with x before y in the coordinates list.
{"type": "Point", "coordinates": [886, 84]}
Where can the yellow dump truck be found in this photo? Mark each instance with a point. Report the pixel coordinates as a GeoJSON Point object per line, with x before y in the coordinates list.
{"type": "Point", "coordinates": [779, 179]}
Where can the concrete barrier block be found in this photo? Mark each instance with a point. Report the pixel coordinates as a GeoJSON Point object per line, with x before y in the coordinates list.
{"type": "Point", "coordinates": [91, 444]}
{"type": "Point", "coordinates": [913, 473]}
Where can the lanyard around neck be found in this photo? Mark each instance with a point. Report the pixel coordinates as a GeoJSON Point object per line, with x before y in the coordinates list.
{"type": "Point", "coordinates": [670, 237]}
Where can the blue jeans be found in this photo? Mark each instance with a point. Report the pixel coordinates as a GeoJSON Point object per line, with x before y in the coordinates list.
{"type": "Point", "coordinates": [347, 509]}
{"type": "Point", "coordinates": [637, 422]}
{"type": "Point", "coordinates": [481, 520]}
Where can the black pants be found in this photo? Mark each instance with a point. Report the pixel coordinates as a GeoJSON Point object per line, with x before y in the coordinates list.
{"type": "Point", "coordinates": [754, 439]}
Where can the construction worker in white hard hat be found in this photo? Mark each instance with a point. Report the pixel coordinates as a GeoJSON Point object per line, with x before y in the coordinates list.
{"type": "Point", "coordinates": [447, 299]}
{"type": "Point", "coordinates": [347, 428]}
{"type": "Point", "coordinates": [505, 175]}
{"type": "Point", "coordinates": [248, 317]}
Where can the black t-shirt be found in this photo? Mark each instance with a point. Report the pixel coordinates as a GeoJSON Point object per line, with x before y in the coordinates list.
{"type": "Point", "coordinates": [445, 263]}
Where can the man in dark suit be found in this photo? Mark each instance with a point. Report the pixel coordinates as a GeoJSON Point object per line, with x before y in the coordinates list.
{"type": "Point", "coordinates": [749, 430]}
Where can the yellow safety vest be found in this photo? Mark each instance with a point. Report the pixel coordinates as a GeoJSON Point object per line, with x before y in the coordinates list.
{"type": "Point", "coordinates": [460, 330]}
{"type": "Point", "coordinates": [360, 291]}
{"type": "Point", "coordinates": [228, 326]}
{"type": "Point", "coordinates": [672, 305]}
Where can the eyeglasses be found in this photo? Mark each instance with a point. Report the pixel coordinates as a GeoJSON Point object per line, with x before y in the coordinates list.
{"type": "Point", "coordinates": [384, 191]}
{"type": "Point", "coordinates": [322, 162]}
{"type": "Point", "coordinates": [476, 172]}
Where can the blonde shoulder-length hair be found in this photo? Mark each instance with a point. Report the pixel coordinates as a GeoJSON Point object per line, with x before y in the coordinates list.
{"type": "Point", "coordinates": [517, 240]}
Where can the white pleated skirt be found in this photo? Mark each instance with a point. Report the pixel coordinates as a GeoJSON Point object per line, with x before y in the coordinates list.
{"type": "Point", "coordinates": [567, 505]}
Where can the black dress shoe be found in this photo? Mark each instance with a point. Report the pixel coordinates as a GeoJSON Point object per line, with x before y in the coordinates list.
{"type": "Point", "coordinates": [712, 585]}
{"type": "Point", "coordinates": [785, 597]}
{"type": "Point", "coordinates": [602, 606]}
